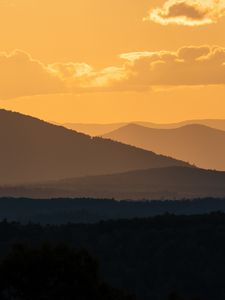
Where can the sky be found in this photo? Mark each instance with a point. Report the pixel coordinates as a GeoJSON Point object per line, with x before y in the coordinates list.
{"type": "Point", "coordinates": [100, 61]}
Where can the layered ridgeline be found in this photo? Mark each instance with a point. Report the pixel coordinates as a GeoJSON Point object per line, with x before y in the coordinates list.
{"type": "Point", "coordinates": [35, 151]}
{"type": "Point", "coordinates": [93, 129]}
{"type": "Point", "coordinates": [101, 129]}
{"type": "Point", "coordinates": [152, 184]}
{"type": "Point", "coordinates": [213, 123]}
{"type": "Point", "coordinates": [197, 144]}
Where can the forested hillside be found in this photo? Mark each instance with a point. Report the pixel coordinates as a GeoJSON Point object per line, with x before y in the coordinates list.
{"type": "Point", "coordinates": [151, 257]}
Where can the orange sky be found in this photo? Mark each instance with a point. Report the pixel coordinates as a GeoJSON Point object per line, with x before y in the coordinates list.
{"type": "Point", "coordinates": [71, 67]}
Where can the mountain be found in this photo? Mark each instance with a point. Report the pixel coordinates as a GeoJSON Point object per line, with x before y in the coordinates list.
{"type": "Point", "coordinates": [35, 151]}
{"type": "Point", "coordinates": [102, 129]}
{"type": "Point", "coordinates": [198, 144]}
{"type": "Point", "coordinates": [213, 123]}
{"type": "Point", "coordinates": [160, 183]}
{"type": "Point", "coordinates": [93, 129]}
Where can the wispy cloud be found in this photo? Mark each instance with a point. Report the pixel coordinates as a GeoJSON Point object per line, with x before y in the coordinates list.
{"type": "Point", "coordinates": [188, 66]}
{"type": "Point", "coordinates": [188, 12]}
{"type": "Point", "coordinates": [21, 75]}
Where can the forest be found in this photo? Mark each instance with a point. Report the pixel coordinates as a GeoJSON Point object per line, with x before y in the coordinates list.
{"type": "Point", "coordinates": [84, 210]}
{"type": "Point", "coordinates": [155, 258]}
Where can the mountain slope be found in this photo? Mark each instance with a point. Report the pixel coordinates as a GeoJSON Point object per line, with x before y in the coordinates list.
{"type": "Point", "coordinates": [198, 144]}
{"type": "Point", "coordinates": [160, 183]}
{"type": "Point", "coordinates": [34, 151]}
{"type": "Point", "coordinates": [93, 129]}
{"type": "Point", "coordinates": [102, 129]}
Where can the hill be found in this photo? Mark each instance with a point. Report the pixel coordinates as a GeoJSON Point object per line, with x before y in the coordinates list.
{"type": "Point", "coordinates": [213, 123]}
{"type": "Point", "coordinates": [102, 129]}
{"type": "Point", "coordinates": [93, 129]}
{"type": "Point", "coordinates": [198, 144]}
{"type": "Point", "coordinates": [35, 151]}
{"type": "Point", "coordinates": [161, 183]}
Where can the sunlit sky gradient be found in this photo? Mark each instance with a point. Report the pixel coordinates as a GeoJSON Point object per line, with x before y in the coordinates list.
{"type": "Point", "coordinates": [111, 61]}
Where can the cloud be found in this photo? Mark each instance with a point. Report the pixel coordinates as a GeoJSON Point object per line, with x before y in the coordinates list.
{"type": "Point", "coordinates": [21, 75]}
{"type": "Point", "coordinates": [188, 12]}
{"type": "Point", "coordinates": [187, 66]}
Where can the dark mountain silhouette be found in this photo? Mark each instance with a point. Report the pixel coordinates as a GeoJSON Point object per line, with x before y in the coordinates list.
{"type": "Point", "coordinates": [93, 129]}
{"type": "Point", "coordinates": [160, 183]}
{"type": "Point", "coordinates": [36, 151]}
{"type": "Point", "coordinates": [102, 129]}
{"type": "Point", "coordinates": [198, 144]}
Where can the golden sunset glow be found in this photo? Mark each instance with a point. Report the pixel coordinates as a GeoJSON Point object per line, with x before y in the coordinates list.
{"type": "Point", "coordinates": [112, 138]}
{"type": "Point", "coordinates": [92, 61]}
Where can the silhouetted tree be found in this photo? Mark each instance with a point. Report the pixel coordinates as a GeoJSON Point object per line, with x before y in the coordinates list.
{"type": "Point", "coordinates": [148, 257]}
{"type": "Point", "coordinates": [59, 273]}
{"type": "Point", "coordinates": [175, 296]}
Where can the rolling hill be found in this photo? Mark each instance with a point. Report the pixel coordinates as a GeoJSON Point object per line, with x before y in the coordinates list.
{"type": "Point", "coordinates": [102, 129]}
{"type": "Point", "coordinates": [156, 184]}
{"type": "Point", "coordinates": [197, 144]}
{"type": "Point", "coordinates": [35, 151]}
{"type": "Point", "coordinates": [213, 123]}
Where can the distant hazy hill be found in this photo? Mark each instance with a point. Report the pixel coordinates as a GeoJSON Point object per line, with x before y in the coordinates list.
{"type": "Point", "coordinates": [160, 183]}
{"type": "Point", "coordinates": [33, 150]}
{"type": "Point", "coordinates": [101, 129]}
{"type": "Point", "coordinates": [198, 144]}
{"type": "Point", "coordinates": [214, 123]}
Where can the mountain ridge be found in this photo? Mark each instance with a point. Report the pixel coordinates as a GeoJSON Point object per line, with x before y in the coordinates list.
{"type": "Point", "coordinates": [95, 129]}
{"type": "Point", "coordinates": [196, 143]}
{"type": "Point", "coordinates": [33, 150]}
{"type": "Point", "coordinates": [149, 184]}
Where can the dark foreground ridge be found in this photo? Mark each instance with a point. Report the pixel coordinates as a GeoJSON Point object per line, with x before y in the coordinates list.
{"type": "Point", "coordinates": [148, 257]}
